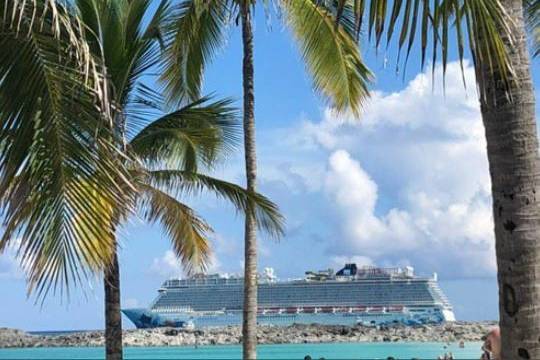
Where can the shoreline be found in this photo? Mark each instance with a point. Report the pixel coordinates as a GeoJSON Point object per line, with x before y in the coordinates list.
{"type": "Point", "coordinates": [231, 335]}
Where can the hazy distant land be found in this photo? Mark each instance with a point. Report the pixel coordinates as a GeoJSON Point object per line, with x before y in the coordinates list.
{"type": "Point", "coordinates": [450, 332]}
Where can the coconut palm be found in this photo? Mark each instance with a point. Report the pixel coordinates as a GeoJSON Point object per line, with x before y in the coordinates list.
{"type": "Point", "coordinates": [198, 28]}
{"type": "Point", "coordinates": [495, 33]}
{"type": "Point", "coordinates": [168, 153]}
{"type": "Point", "coordinates": [165, 150]}
{"type": "Point", "coordinates": [53, 102]}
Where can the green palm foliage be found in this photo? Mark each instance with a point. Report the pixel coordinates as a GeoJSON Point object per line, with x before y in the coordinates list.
{"type": "Point", "coordinates": [435, 24]}
{"type": "Point", "coordinates": [198, 28]}
{"type": "Point", "coordinates": [330, 53]}
{"type": "Point", "coordinates": [169, 151]}
{"type": "Point", "coordinates": [71, 99]}
{"type": "Point", "coordinates": [165, 147]}
{"type": "Point", "coordinates": [53, 102]}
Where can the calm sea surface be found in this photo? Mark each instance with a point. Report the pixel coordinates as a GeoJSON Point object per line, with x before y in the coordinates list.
{"type": "Point", "coordinates": [289, 351]}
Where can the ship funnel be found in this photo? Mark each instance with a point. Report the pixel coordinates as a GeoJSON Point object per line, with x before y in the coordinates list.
{"type": "Point", "coordinates": [348, 270]}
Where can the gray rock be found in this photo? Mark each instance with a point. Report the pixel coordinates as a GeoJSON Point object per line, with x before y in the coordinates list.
{"type": "Point", "coordinates": [297, 333]}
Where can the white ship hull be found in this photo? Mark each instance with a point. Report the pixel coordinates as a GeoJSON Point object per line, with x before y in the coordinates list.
{"type": "Point", "coordinates": [428, 315]}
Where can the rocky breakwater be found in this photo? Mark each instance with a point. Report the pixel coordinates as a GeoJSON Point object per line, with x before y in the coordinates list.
{"type": "Point", "coordinates": [296, 334]}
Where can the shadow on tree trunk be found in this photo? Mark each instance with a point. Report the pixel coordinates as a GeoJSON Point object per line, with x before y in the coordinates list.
{"type": "Point", "coordinates": [113, 316]}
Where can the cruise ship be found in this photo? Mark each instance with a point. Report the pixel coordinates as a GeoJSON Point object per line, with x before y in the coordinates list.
{"type": "Point", "coordinates": [367, 296]}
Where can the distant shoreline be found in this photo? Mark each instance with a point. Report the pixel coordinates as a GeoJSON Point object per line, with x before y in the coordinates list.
{"type": "Point", "coordinates": [295, 334]}
{"type": "Point", "coordinates": [58, 332]}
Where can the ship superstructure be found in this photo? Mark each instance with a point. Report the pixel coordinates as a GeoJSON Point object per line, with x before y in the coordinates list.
{"type": "Point", "coordinates": [367, 295]}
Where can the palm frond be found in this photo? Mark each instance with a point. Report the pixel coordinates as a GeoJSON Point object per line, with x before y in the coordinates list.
{"type": "Point", "coordinates": [52, 162]}
{"type": "Point", "coordinates": [195, 30]}
{"type": "Point", "coordinates": [483, 21]}
{"type": "Point", "coordinates": [267, 213]}
{"type": "Point", "coordinates": [51, 16]}
{"type": "Point", "coordinates": [532, 13]}
{"type": "Point", "coordinates": [187, 231]}
{"type": "Point", "coordinates": [127, 40]}
{"type": "Point", "coordinates": [330, 52]}
{"type": "Point", "coordinates": [155, 27]}
{"type": "Point", "coordinates": [199, 132]}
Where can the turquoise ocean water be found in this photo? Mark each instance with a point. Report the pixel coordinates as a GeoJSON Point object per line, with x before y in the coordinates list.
{"type": "Point", "coordinates": [371, 351]}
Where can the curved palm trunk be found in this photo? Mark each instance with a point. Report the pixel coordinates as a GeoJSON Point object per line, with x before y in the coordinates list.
{"type": "Point", "coordinates": [512, 146]}
{"type": "Point", "coordinates": [249, 323]}
{"type": "Point", "coordinates": [113, 316]}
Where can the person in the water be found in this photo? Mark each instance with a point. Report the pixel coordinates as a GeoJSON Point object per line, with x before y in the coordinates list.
{"type": "Point", "coordinates": [492, 345]}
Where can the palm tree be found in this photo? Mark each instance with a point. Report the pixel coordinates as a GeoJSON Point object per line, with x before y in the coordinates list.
{"type": "Point", "coordinates": [197, 30]}
{"type": "Point", "coordinates": [165, 154]}
{"type": "Point", "coordinates": [497, 39]}
{"type": "Point", "coordinates": [53, 102]}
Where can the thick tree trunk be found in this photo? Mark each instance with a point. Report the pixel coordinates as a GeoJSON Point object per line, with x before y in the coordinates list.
{"type": "Point", "coordinates": [512, 146]}
{"type": "Point", "coordinates": [113, 316]}
{"type": "Point", "coordinates": [249, 323]}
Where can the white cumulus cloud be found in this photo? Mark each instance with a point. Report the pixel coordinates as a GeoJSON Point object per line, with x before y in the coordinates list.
{"type": "Point", "coordinates": [9, 263]}
{"type": "Point", "coordinates": [408, 182]}
{"type": "Point", "coordinates": [453, 237]}
{"type": "Point", "coordinates": [354, 196]}
{"type": "Point", "coordinates": [169, 266]}
{"type": "Point", "coordinates": [405, 184]}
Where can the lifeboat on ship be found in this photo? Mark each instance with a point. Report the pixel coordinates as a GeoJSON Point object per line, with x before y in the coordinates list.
{"type": "Point", "coordinates": [376, 310]}
{"type": "Point", "coordinates": [358, 309]}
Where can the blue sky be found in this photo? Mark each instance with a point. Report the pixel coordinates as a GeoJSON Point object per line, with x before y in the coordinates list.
{"type": "Point", "coordinates": [406, 184]}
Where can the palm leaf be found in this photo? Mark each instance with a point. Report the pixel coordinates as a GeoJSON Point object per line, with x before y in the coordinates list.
{"type": "Point", "coordinates": [188, 183]}
{"type": "Point", "coordinates": [198, 132]}
{"type": "Point", "coordinates": [483, 20]}
{"type": "Point", "coordinates": [193, 33]}
{"type": "Point", "coordinates": [128, 41]}
{"type": "Point", "coordinates": [187, 231]}
{"type": "Point", "coordinates": [330, 52]}
{"type": "Point", "coordinates": [51, 162]}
